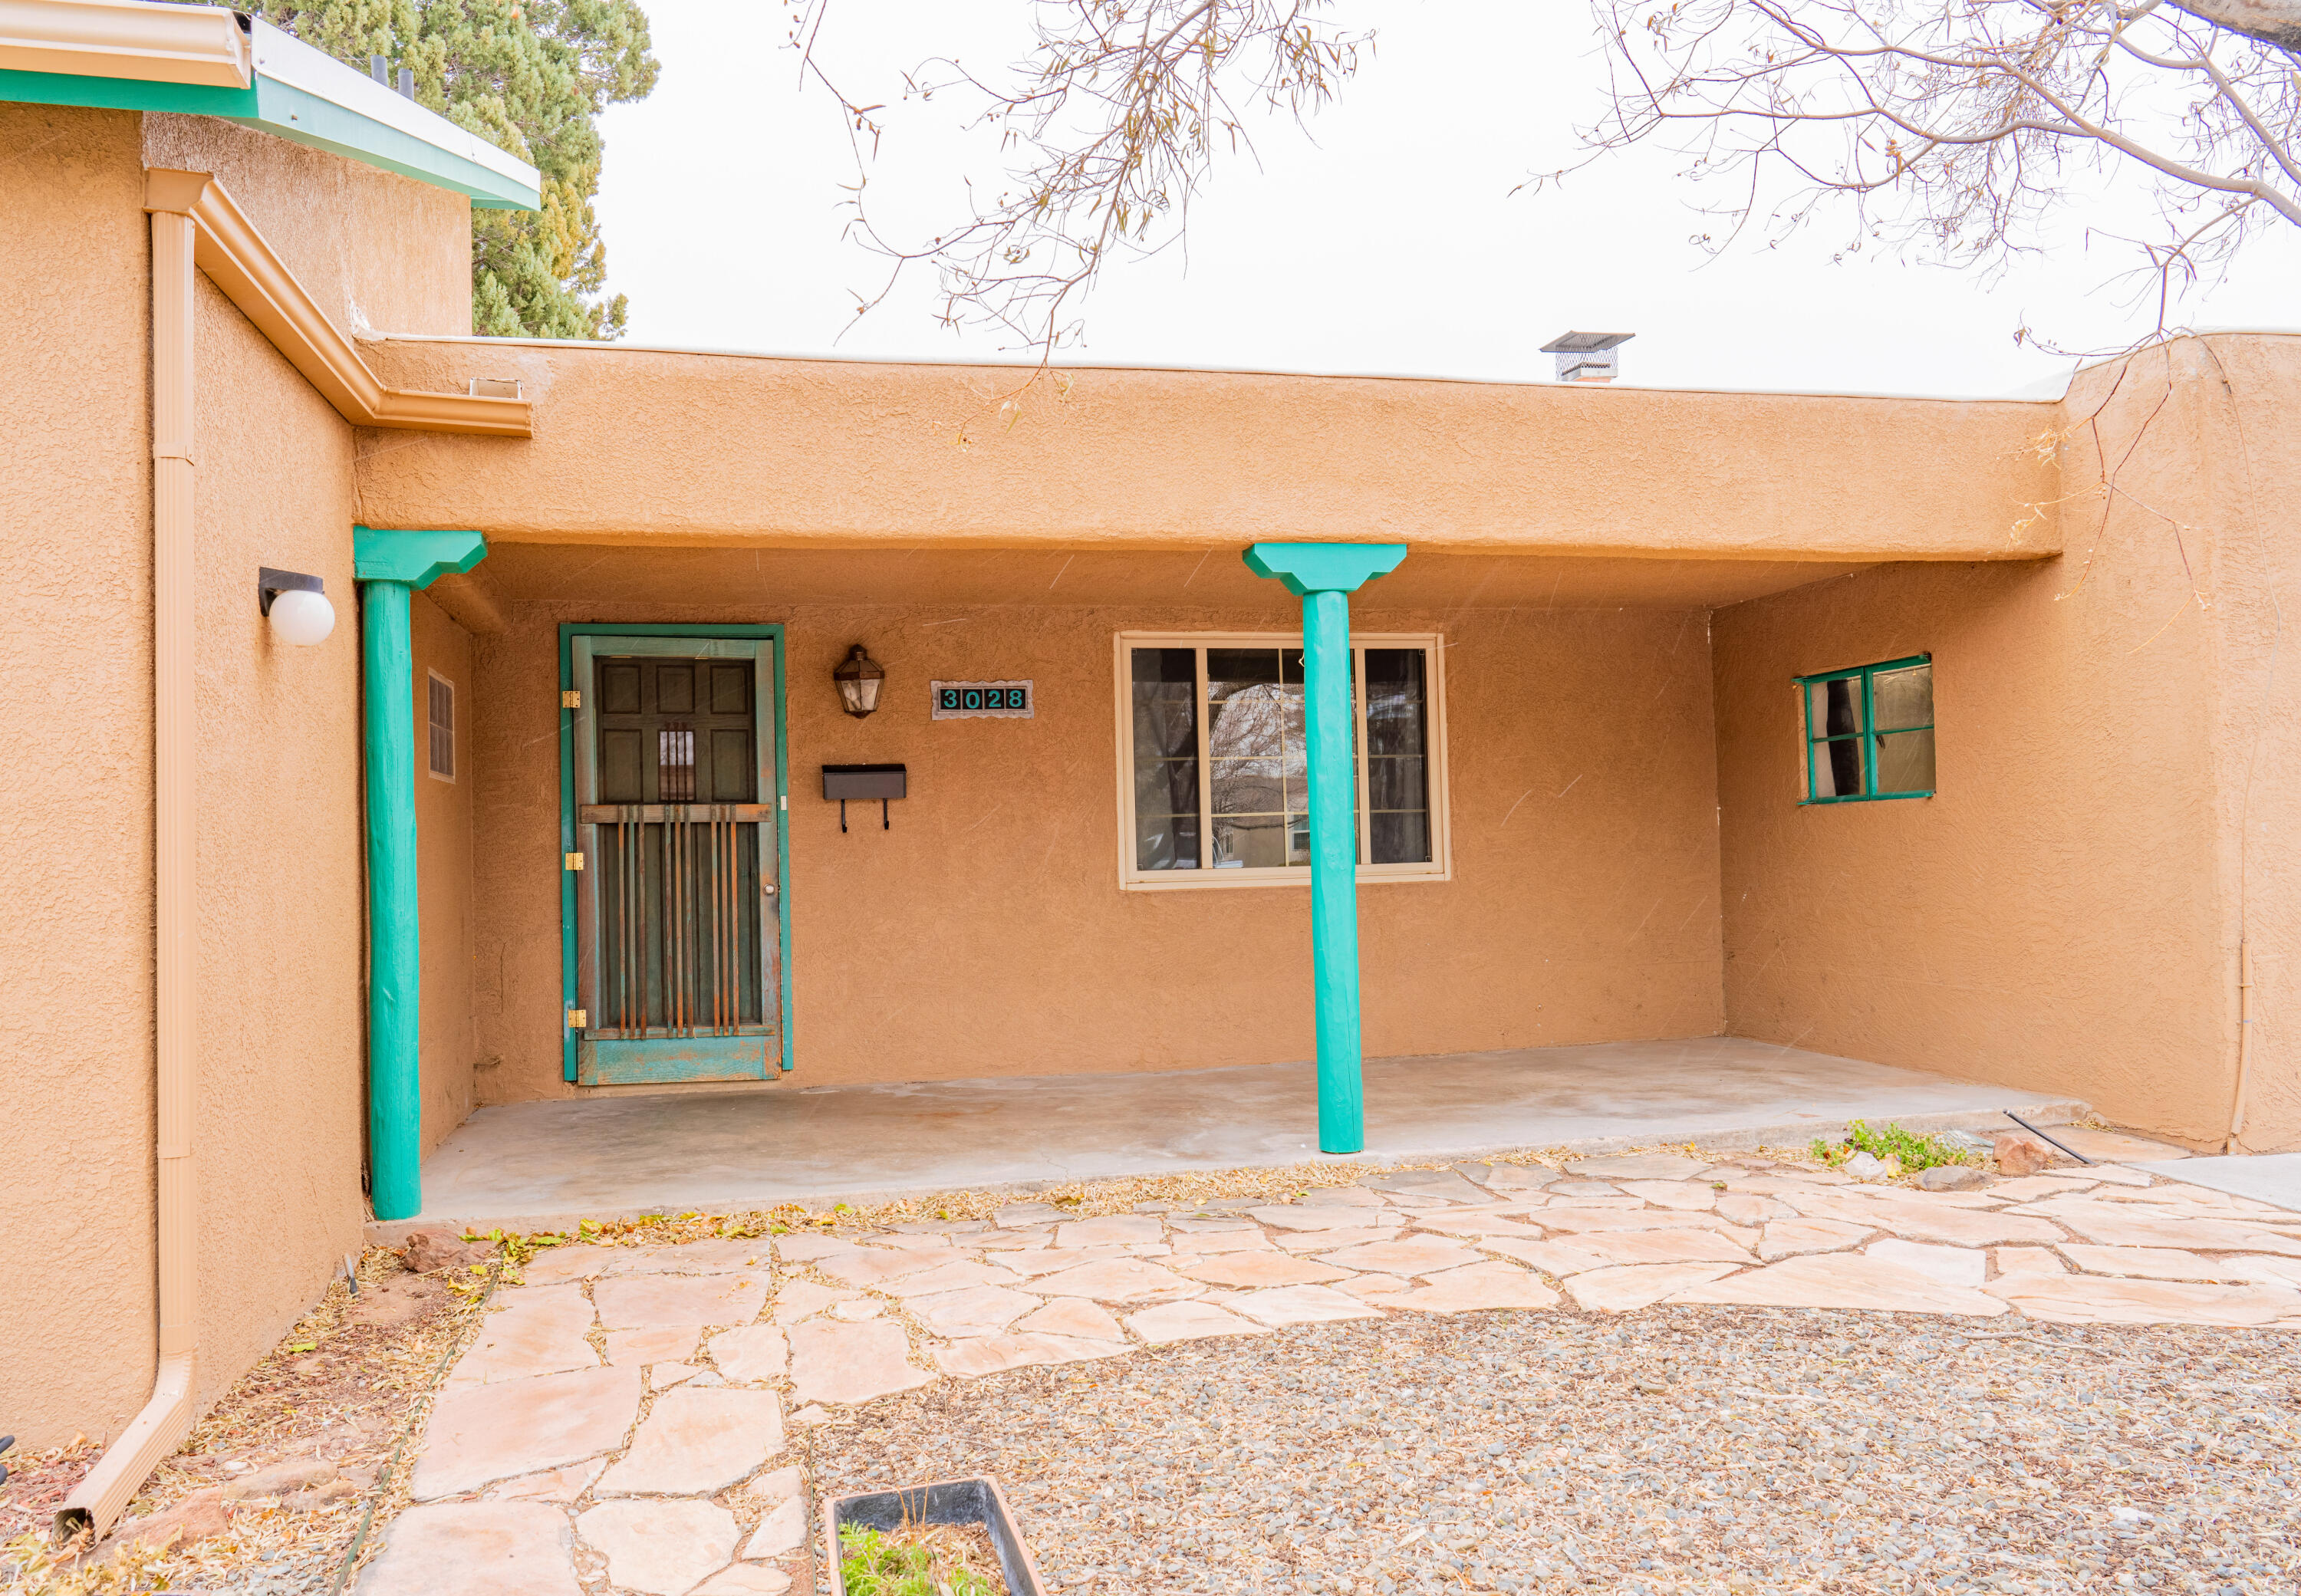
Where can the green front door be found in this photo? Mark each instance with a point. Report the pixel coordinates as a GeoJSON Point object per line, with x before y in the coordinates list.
{"type": "Point", "coordinates": [678, 955]}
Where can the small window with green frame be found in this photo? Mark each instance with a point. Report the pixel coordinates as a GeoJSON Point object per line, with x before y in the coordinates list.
{"type": "Point", "coordinates": [1869, 731]}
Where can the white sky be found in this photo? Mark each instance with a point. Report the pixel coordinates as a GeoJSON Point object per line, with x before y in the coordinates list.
{"type": "Point", "coordinates": [1387, 240]}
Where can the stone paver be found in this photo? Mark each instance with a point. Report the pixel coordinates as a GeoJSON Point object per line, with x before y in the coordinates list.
{"type": "Point", "coordinates": [652, 1301]}
{"type": "Point", "coordinates": [753, 1352]}
{"type": "Point", "coordinates": [1639, 1167]}
{"type": "Point", "coordinates": [2148, 1262]}
{"type": "Point", "coordinates": [1748, 1207]}
{"type": "Point", "coordinates": [798, 1300]}
{"type": "Point", "coordinates": [783, 1530]}
{"type": "Point", "coordinates": [944, 1278]}
{"type": "Point", "coordinates": [1843, 1281]}
{"type": "Point", "coordinates": [690, 1257]}
{"type": "Point", "coordinates": [833, 1362]}
{"type": "Point", "coordinates": [1052, 1260]}
{"type": "Point", "coordinates": [979, 1310]}
{"type": "Point", "coordinates": [660, 1547]}
{"type": "Point", "coordinates": [1690, 1195]}
{"type": "Point", "coordinates": [1626, 1286]}
{"type": "Point", "coordinates": [2121, 1224]}
{"type": "Point", "coordinates": [1663, 1246]}
{"type": "Point", "coordinates": [1552, 1258]}
{"type": "Point", "coordinates": [1073, 1315]}
{"type": "Point", "coordinates": [1116, 1279]}
{"type": "Point", "coordinates": [1786, 1238]}
{"type": "Point", "coordinates": [1952, 1265]}
{"type": "Point", "coordinates": [991, 1354]}
{"type": "Point", "coordinates": [475, 1549]}
{"type": "Point", "coordinates": [528, 1331]}
{"type": "Point", "coordinates": [485, 1433]}
{"type": "Point", "coordinates": [1261, 1269]}
{"type": "Point", "coordinates": [560, 1263]}
{"type": "Point", "coordinates": [745, 1579]}
{"type": "Point", "coordinates": [1443, 1184]}
{"type": "Point", "coordinates": [934, 1301]}
{"type": "Point", "coordinates": [553, 1484]}
{"type": "Point", "coordinates": [2089, 1299]}
{"type": "Point", "coordinates": [1293, 1305]}
{"type": "Point", "coordinates": [1935, 1216]}
{"type": "Point", "coordinates": [1415, 1255]}
{"type": "Point", "coordinates": [670, 1343]}
{"type": "Point", "coordinates": [1113, 1230]}
{"type": "Point", "coordinates": [1472, 1288]}
{"type": "Point", "coordinates": [1189, 1322]}
{"type": "Point", "coordinates": [694, 1442]}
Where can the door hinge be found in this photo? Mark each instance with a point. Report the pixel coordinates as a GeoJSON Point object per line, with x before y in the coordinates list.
{"type": "Point", "coordinates": [571, 698]}
{"type": "Point", "coordinates": [574, 861]}
{"type": "Point", "coordinates": [579, 1019]}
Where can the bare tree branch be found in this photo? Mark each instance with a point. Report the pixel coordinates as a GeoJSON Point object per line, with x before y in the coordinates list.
{"type": "Point", "coordinates": [1960, 126]}
{"type": "Point", "coordinates": [1111, 123]}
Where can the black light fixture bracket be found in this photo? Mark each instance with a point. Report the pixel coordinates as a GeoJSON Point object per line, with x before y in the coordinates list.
{"type": "Point", "coordinates": [269, 584]}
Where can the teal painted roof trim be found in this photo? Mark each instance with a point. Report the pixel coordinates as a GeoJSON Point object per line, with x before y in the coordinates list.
{"type": "Point", "coordinates": [300, 94]}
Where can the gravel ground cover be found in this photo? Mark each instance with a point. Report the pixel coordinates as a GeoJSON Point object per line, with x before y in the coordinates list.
{"type": "Point", "coordinates": [1676, 1449]}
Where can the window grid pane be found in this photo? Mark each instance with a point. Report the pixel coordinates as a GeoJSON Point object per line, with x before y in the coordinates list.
{"type": "Point", "coordinates": [1869, 732]}
{"type": "Point", "coordinates": [1220, 770]}
{"type": "Point", "coordinates": [1165, 687]}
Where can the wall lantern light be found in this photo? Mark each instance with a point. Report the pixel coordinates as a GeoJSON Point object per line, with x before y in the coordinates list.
{"type": "Point", "coordinates": [296, 605]}
{"type": "Point", "coordinates": [858, 677]}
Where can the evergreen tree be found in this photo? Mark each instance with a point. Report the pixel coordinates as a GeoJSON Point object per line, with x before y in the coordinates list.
{"type": "Point", "coordinates": [531, 77]}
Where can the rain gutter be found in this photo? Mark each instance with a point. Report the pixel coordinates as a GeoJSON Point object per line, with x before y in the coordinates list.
{"type": "Point", "coordinates": [201, 59]}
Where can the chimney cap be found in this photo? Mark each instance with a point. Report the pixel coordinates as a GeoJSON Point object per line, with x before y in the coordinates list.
{"type": "Point", "coordinates": [1586, 343]}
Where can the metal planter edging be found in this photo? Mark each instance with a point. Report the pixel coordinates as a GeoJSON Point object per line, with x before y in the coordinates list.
{"type": "Point", "coordinates": [942, 1502]}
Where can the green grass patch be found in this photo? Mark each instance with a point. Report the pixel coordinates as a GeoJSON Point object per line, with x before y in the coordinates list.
{"type": "Point", "coordinates": [1914, 1151]}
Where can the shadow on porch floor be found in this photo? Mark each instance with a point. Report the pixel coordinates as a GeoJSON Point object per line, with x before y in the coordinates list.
{"type": "Point", "coordinates": [542, 1165]}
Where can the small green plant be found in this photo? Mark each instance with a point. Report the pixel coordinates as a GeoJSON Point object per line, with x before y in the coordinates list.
{"type": "Point", "coordinates": [903, 1564]}
{"type": "Point", "coordinates": [1914, 1150]}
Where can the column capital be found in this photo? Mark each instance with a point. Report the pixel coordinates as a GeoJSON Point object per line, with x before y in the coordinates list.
{"type": "Point", "coordinates": [1308, 568]}
{"type": "Point", "coordinates": [416, 558]}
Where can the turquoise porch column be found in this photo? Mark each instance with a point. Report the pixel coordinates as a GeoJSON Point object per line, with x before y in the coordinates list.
{"type": "Point", "coordinates": [390, 565]}
{"type": "Point", "coordinates": [1322, 576]}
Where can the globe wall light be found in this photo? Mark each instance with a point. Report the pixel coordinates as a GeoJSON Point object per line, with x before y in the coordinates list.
{"type": "Point", "coordinates": [858, 677]}
{"type": "Point", "coordinates": [297, 606]}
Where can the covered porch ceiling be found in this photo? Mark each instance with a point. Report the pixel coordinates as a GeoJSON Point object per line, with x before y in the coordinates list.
{"type": "Point", "coordinates": [641, 581]}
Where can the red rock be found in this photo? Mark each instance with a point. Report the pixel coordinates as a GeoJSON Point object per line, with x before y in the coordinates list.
{"type": "Point", "coordinates": [431, 1250]}
{"type": "Point", "coordinates": [2020, 1155]}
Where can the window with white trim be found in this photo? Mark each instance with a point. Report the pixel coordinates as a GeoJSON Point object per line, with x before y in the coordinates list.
{"type": "Point", "coordinates": [1213, 782]}
{"type": "Point", "coordinates": [441, 718]}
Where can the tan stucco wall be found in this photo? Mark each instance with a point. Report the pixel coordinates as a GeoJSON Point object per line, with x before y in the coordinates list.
{"type": "Point", "coordinates": [638, 447]}
{"type": "Point", "coordinates": [997, 941]}
{"type": "Point", "coordinates": [372, 249]}
{"type": "Point", "coordinates": [443, 866]}
{"type": "Point", "coordinates": [278, 1127]}
{"type": "Point", "coordinates": [2065, 914]}
{"type": "Point", "coordinates": [75, 682]}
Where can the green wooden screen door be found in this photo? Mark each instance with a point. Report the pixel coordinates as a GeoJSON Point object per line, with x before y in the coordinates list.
{"type": "Point", "coordinates": [678, 958]}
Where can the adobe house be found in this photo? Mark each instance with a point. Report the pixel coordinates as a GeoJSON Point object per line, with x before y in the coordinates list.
{"type": "Point", "coordinates": [1949, 734]}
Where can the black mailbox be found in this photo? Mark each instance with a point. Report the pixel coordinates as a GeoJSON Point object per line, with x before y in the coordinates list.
{"type": "Point", "coordinates": [881, 781]}
{"type": "Point", "coordinates": [864, 781]}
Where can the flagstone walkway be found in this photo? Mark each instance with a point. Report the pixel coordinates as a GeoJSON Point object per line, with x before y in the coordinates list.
{"type": "Point", "coordinates": [623, 1421]}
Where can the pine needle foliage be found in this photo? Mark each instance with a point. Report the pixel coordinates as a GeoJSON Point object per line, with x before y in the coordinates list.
{"type": "Point", "coordinates": [531, 77]}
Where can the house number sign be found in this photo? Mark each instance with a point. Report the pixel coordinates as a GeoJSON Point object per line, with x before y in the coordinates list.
{"type": "Point", "coordinates": [962, 700]}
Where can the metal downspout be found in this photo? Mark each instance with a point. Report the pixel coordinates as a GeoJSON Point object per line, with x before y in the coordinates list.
{"type": "Point", "coordinates": [97, 1500]}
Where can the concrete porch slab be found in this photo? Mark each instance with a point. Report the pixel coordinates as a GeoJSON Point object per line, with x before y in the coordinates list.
{"type": "Point", "coordinates": [2265, 1177]}
{"type": "Point", "coordinates": [544, 1166]}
